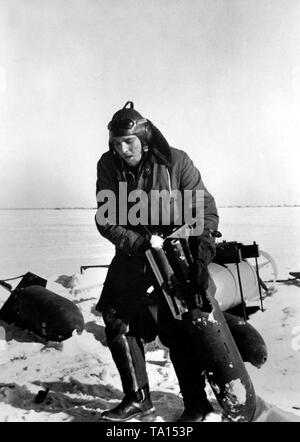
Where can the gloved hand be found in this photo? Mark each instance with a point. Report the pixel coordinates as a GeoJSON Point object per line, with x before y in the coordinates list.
{"type": "Point", "coordinates": [115, 326]}
{"type": "Point", "coordinates": [202, 276]}
{"type": "Point", "coordinates": [203, 249]}
{"type": "Point", "coordinates": [201, 285]}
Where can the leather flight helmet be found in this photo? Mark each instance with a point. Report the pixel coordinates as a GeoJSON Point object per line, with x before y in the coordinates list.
{"type": "Point", "coordinates": [128, 121]}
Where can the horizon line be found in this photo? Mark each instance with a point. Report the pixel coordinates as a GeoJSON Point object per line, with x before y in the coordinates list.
{"type": "Point", "coordinates": [231, 206]}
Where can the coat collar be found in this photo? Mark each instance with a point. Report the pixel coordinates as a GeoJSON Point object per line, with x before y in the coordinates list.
{"type": "Point", "coordinates": [159, 146]}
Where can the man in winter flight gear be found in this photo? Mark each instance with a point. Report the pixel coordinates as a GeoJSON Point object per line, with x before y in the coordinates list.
{"type": "Point", "coordinates": [140, 160]}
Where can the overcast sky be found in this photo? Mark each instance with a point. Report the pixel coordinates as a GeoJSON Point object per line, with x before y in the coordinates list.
{"type": "Point", "coordinates": [220, 78]}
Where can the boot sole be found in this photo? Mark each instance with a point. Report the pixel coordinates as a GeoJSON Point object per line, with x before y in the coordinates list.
{"type": "Point", "coordinates": [137, 414]}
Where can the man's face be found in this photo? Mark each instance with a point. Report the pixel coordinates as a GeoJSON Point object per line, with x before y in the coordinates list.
{"type": "Point", "coordinates": [129, 148]}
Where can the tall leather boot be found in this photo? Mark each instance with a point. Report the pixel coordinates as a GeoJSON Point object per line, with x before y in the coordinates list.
{"type": "Point", "coordinates": [134, 404]}
{"type": "Point", "coordinates": [129, 358]}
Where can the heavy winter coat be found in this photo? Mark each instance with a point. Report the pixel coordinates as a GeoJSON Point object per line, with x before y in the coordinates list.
{"type": "Point", "coordinates": [162, 168]}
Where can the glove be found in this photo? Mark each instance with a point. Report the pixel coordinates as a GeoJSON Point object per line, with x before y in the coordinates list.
{"type": "Point", "coordinates": [202, 276]}
{"type": "Point", "coordinates": [114, 324]}
{"type": "Point", "coordinates": [201, 285]}
{"type": "Point", "coordinates": [203, 249]}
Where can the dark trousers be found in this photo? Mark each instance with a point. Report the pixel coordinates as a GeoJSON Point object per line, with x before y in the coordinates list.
{"type": "Point", "coordinates": [129, 323]}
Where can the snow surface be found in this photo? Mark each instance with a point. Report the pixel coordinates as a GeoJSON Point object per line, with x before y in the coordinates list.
{"type": "Point", "coordinates": [79, 372]}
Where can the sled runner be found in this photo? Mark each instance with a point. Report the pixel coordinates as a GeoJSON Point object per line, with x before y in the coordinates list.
{"type": "Point", "coordinates": [295, 274]}
{"type": "Point", "coordinates": [294, 280]}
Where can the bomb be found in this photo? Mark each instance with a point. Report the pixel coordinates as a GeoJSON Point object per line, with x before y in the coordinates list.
{"type": "Point", "coordinates": [43, 312]}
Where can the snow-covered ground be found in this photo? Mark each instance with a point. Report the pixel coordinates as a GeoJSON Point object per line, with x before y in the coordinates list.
{"type": "Point", "coordinates": [79, 372]}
